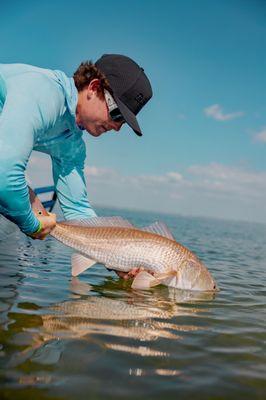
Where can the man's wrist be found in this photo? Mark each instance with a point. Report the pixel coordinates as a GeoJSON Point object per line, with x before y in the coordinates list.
{"type": "Point", "coordinates": [38, 230]}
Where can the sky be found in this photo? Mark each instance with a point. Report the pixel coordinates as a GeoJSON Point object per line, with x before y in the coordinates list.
{"type": "Point", "coordinates": [203, 148]}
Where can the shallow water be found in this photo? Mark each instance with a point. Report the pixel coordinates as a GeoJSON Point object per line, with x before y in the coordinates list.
{"type": "Point", "coordinates": [94, 337]}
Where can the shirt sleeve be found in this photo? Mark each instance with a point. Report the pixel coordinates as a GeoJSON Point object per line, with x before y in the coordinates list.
{"type": "Point", "coordinates": [68, 173]}
{"type": "Point", "coordinates": [32, 104]}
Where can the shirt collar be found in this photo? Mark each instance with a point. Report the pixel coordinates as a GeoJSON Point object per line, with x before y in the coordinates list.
{"type": "Point", "coordinates": [71, 94]}
{"type": "Point", "coordinates": [72, 102]}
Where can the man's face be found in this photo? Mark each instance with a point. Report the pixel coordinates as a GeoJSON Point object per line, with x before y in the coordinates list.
{"type": "Point", "coordinates": [92, 111]}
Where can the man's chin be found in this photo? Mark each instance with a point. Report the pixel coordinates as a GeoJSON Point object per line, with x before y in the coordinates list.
{"type": "Point", "coordinates": [94, 133]}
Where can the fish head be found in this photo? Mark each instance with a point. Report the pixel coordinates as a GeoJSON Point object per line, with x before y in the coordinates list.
{"type": "Point", "coordinates": [193, 275]}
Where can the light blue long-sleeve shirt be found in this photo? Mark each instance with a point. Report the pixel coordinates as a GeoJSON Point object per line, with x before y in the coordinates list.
{"type": "Point", "coordinates": [37, 112]}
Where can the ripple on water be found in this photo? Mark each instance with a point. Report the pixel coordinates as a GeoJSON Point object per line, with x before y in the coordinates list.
{"type": "Point", "coordinates": [95, 336]}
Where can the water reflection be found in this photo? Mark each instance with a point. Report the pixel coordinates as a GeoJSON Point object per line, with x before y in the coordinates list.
{"type": "Point", "coordinates": [158, 371]}
{"type": "Point", "coordinates": [139, 318]}
{"type": "Point", "coordinates": [71, 337]}
{"type": "Point", "coordinates": [143, 351]}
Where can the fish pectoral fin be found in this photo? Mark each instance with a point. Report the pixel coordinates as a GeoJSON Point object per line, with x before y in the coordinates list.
{"type": "Point", "coordinates": [144, 280]}
{"type": "Point", "coordinates": [80, 263]}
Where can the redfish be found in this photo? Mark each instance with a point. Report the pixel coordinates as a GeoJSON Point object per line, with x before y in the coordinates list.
{"type": "Point", "coordinates": [117, 244]}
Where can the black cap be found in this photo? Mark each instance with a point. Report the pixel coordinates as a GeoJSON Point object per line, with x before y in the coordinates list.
{"type": "Point", "coordinates": [130, 85]}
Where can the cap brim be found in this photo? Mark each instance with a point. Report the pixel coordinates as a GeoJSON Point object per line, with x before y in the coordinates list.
{"type": "Point", "coordinates": [129, 117]}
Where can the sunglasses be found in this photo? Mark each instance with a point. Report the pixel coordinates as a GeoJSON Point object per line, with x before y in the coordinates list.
{"type": "Point", "coordinates": [113, 109]}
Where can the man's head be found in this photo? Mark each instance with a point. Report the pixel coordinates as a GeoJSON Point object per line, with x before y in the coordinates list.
{"type": "Point", "coordinates": [110, 92]}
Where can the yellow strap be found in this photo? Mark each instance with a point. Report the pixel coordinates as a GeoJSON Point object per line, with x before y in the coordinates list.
{"type": "Point", "coordinates": [39, 229]}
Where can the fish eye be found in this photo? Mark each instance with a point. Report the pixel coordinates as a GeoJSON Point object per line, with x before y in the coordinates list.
{"type": "Point", "coordinates": [214, 287]}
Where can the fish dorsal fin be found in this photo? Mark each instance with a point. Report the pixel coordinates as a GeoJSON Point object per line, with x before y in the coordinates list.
{"type": "Point", "coordinates": [159, 228]}
{"type": "Point", "coordinates": [80, 263]}
{"type": "Point", "coordinates": [100, 221]}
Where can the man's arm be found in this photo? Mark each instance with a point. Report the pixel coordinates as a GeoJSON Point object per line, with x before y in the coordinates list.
{"type": "Point", "coordinates": [68, 172]}
{"type": "Point", "coordinates": [31, 104]}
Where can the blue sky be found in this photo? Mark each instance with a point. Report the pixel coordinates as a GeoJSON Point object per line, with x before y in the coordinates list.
{"type": "Point", "coordinates": [203, 149]}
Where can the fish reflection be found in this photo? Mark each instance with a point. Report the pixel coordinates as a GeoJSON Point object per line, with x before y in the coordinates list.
{"type": "Point", "coordinates": [104, 316]}
{"type": "Point", "coordinates": [137, 317]}
{"type": "Point", "coordinates": [143, 351]}
{"type": "Point", "coordinates": [162, 372]}
{"type": "Point", "coordinates": [133, 317]}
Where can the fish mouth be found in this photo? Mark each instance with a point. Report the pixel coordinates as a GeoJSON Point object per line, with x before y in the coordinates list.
{"type": "Point", "coordinates": [214, 289]}
{"type": "Point", "coordinates": [203, 281]}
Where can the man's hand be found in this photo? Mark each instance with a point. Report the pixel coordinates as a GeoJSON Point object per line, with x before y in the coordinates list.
{"type": "Point", "coordinates": [47, 220]}
{"type": "Point", "coordinates": [48, 223]}
{"type": "Point", "coordinates": [130, 274]}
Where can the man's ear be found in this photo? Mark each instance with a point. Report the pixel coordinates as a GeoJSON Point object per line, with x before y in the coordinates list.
{"type": "Point", "coordinates": [94, 85]}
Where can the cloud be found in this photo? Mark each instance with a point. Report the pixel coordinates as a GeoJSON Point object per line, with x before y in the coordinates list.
{"type": "Point", "coordinates": [211, 179]}
{"type": "Point", "coordinates": [174, 176]}
{"type": "Point", "coordinates": [261, 136]}
{"type": "Point", "coordinates": [213, 189]}
{"type": "Point", "coordinates": [230, 180]}
{"type": "Point", "coordinates": [216, 112]}
{"type": "Point", "coordinates": [169, 177]}
{"type": "Point", "coordinates": [106, 174]}
{"type": "Point", "coordinates": [100, 173]}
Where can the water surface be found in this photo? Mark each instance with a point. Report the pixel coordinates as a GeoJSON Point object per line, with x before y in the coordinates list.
{"type": "Point", "coordinates": [95, 337]}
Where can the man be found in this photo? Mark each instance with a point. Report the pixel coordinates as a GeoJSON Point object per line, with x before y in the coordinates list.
{"type": "Point", "coordinates": [44, 110]}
